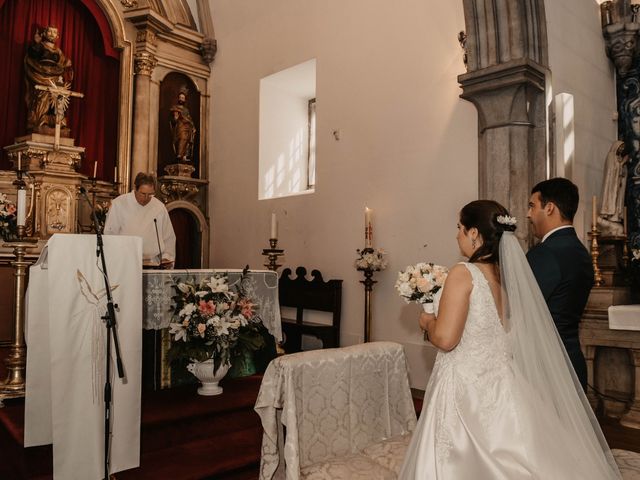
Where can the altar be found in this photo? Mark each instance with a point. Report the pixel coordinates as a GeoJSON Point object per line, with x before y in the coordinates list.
{"type": "Point", "coordinates": [157, 291]}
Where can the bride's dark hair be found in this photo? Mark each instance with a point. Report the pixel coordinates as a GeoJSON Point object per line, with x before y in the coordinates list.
{"type": "Point", "coordinates": [483, 215]}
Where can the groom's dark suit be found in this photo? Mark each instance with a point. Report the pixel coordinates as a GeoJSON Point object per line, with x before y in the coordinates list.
{"type": "Point", "coordinates": [562, 266]}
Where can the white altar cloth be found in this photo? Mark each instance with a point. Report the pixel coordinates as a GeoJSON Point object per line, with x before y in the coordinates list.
{"type": "Point", "coordinates": [65, 336]}
{"type": "Point", "coordinates": [624, 317]}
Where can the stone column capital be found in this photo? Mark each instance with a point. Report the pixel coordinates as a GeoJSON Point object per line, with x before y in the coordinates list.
{"type": "Point", "coordinates": [144, 63]}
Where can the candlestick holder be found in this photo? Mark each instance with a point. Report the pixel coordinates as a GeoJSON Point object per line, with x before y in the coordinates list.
{"type": "Point", "coordinates": [16, 361]}
{"type": "Point", "coordinates": [369, 262]}
{"type": "Point", "coordinates": [595, 253]}
{"type": "Point", "coordinates": [272, 255]}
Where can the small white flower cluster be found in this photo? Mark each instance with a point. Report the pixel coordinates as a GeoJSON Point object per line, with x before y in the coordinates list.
{"type": "Point", "coordinates": [371, 260]}
{"type": "Point", "coordinates": [635, 253]}
{"type": "Point", "coordinates": [7, 216]}
{"type": "Point", "coordinates": [507, 220]}
{"type": "Point", "coordinates": [419, 283]}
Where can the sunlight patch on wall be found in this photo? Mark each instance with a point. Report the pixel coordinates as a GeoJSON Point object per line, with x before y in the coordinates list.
{"type": "Point", "coordinates": [284, 131]}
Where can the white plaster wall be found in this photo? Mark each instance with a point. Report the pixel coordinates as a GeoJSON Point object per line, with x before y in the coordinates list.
{"type": "Point", "coordinates": [580, 67]}
{"type": "Point", "coordinates": [406, 147]}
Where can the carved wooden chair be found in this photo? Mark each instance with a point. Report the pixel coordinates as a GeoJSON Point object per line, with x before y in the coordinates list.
{"type": "Point", "coordinates": [314, 294]}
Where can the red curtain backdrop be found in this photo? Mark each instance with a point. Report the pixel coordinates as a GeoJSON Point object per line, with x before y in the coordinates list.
{"type": "Point", "coordinates": [86, 39]}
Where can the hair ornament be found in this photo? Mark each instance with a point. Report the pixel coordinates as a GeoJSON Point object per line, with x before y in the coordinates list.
{"type": "Point", "coordinates": [507, 220]}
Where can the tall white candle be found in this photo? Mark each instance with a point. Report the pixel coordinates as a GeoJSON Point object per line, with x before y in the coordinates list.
{"type": "Point", "coordinates": [95, 169]}
{"type": "Point", "coordinates": [274, 226]}
{"type": "Point", "coordinates": [19, 161]}
{"type": "Point", "coordinates": [22, 207]}
{"type": "Point", "coordinates": [368, 229]}
{"type": "Point", "coordinates": [115, 173]}
{"type": "Point", "coordinates": [593, 211]}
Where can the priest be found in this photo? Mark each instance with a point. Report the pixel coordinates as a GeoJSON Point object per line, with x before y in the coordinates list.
{"type": "Point", "coordinates": [139, 213]}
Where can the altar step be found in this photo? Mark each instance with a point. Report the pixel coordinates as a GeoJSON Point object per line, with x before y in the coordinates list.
{"type": "Point", "coordinates": [184, 436]}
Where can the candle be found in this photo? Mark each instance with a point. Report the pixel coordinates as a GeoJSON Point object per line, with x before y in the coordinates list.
{"type": "Point", "coordinates": [593, 211]}
{"type": "Point", "coordinates": [624, 222]}
{"type": "Point", "coordinates": [368, 230]}
{"type": "Point", "coordinates": [115, 173]}
{"type": "Point", "coordinates": [19, 161]}
{"type": "Point", "coordinates": [95, 169]}
{"type": "Point", "coordinates": [22, 207]}
{"type": "Point", "coordinates": [274, 226]}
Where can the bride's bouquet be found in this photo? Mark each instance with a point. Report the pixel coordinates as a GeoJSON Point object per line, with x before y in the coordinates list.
{"type": "Point", "coordinates": [419, 283]}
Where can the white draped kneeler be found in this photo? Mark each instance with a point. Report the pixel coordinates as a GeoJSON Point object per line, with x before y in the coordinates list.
{"type": "Point", "coordinates": [66, 342]}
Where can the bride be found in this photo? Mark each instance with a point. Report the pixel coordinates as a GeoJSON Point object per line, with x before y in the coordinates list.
{"type": "Point", "coordinates": [503, 401]}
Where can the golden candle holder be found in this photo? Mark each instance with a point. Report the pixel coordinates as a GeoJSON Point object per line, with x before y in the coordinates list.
{"type": "Point", "coordinates": [16, 361]}
{"type": "Point", "coordinates": [595, 253]}
{"type": "Point", "coordinates": [272, 255]}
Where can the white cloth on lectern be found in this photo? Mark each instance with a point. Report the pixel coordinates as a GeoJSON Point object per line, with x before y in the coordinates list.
{"type": "Point", "coordinates": [127, 217]}
{"type": "Point", "coordinates": [67, 342]}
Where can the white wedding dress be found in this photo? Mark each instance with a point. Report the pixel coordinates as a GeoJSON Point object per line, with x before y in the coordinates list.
{"type": "Point", "coordinates": [482, 420]}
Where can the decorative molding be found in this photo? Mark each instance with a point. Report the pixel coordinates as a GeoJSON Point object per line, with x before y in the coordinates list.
{"type": "Point", "coordinates": [144, 63]}
{"type": "Point", "coordinates": [173, 188]}
{"type": "Point", "coordinates": [208, 49]}
{"type": "Point", "coordinates": [146, 36]}
{"type": "Point", "coordinates": [129, 3]}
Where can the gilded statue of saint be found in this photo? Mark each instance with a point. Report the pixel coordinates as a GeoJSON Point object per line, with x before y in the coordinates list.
{"type": "Point", "coordinates": [45, 65]}
{"type": "Point", "coordinates": [183, 129]}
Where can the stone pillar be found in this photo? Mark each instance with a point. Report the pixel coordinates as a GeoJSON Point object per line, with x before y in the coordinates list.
{"type": "Point", "coordinates": [505, 47]}
{"type": "Point", "coordinates": [510, 99]}
{"type": "Point", "coordinates": [143, 66]}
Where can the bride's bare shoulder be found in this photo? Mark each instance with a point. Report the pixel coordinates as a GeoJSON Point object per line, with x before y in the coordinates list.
{"type": "Point", "coordinates": [459, 277]}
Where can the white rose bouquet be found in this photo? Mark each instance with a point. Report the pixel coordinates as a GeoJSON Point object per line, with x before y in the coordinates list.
{"type": "Point", "coordinates": [419, 283]}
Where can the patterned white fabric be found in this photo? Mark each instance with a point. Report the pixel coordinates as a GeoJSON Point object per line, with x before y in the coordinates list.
{"type": "Point", "coordinates": [333, 403]}
{"type": "Point", "coordinates": [350, 467]}
{"type": "Point", "coordinates": [390, 452]}
{"type": "Point", "coordinates": [480, 417]}
{"type": "Point", "coordinates": [629, 463]}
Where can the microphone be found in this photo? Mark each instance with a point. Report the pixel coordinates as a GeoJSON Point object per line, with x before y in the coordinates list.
{"type": "Point", "coordinates": [155, 224]}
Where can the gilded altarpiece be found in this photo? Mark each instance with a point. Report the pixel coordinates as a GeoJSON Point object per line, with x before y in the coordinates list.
{"type": "Point", "coordinates": [140, 43]}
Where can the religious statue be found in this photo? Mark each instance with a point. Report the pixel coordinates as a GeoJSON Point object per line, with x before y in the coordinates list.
{"type": "Point", "coordinates": [47, 69]}
{"type": "Point", "coordinates": [614, 184]}
{"type": "Point", "coordinates": [182, 128]}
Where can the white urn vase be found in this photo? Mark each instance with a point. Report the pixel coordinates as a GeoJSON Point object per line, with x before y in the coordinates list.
{"type": "Point", "coordinates": [203, 371]}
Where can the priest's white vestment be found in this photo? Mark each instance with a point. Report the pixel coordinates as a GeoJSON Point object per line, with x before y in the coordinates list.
{"type": "Point", "coordinates": [127, 217]}
{"type": "Point", "coordinates": [66, 344]}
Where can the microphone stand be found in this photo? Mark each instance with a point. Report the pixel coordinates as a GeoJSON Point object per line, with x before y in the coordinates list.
{"type": "Point", "coordinates": [155, 223]}
{"type": "Point", "coordinates": [110, 322]}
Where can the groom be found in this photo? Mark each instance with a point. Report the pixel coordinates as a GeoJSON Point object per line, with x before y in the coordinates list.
{"type": "Point", "coordinates": [560, 262]}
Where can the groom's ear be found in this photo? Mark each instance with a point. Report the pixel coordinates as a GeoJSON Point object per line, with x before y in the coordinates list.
{"type": "Point", "coordinates": [550, 208]}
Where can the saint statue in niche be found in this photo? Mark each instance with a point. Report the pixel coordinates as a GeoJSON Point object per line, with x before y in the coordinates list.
{"type": "Point", "coordinates": [46, 69]}
{"type": "Point", "coordinates": [182, 128]}
{"type": "Point", "coordinates": [614, 185]}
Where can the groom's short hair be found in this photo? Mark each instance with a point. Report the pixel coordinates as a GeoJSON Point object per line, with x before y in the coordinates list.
{"type": "Point", "coordinates": [562, 193]}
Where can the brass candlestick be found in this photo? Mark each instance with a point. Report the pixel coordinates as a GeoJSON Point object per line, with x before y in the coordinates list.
{"type": "Point", "coordinates": [595, 253]}
{"type": "Point", "coordinates": [272, 255]}
{"type": "Point", "coordinates": [16, 361]}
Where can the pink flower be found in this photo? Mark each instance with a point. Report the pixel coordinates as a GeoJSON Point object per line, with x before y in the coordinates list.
{"type": "Point", "coordinates": [201, 329]}
{"type": "Point", "coordinates": [424, 285]}
{"type": "Point", "coordinates": [11, 209]}
{"type": "Point", "coordinates": [246, 307]}
{"type": "Point", "coordinates": [207, 309]}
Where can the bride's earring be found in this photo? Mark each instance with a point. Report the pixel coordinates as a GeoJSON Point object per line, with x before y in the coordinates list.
{"type": "Point", "coordinates": [473, 243]}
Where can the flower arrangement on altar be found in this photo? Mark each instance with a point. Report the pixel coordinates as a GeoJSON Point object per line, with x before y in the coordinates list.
{"type": "Point", "coordinates": [8, 226]}
{"type": "Point", "coordinates": [370, 259]}
{"type": "Point", "coordinates": [214, 321]}
{"type": "Point", "coordinates": [419, 283]}
{"type": "Point", "coordinates": [635, 255]}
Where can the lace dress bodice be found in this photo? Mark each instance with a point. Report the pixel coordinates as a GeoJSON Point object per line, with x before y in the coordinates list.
{"type": "Point", "coordinates": [483, 346]}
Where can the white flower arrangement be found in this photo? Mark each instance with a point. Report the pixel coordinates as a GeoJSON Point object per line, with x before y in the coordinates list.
{"type": "Point", "coordinates": [7, 218]}
{"type": "Point", "coordinates": [419, 283]}
{"type": "Point", "coordinates": [635, 255]}
{"type": "Point", "coordinates": [370, 259]}
{"type": "Point", "coordinates": [507, 220]}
